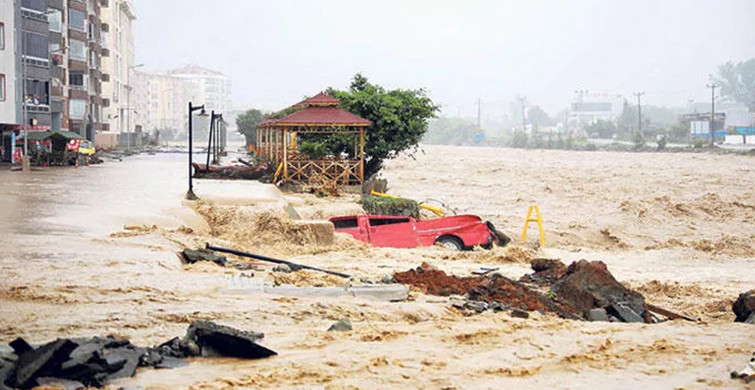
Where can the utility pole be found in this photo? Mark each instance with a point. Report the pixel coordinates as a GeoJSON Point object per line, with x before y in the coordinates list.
{"type": "Point", "coordinates": [479, 113]}
{"type": "Point", "coordinates": [712, 87]}
{"type": "Point", "coordinates": [523, 101]}
{"type": "Point", "coordinates": [639, 112]}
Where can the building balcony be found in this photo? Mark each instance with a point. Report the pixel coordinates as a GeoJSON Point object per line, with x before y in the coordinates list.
{"type": "Point", "coordinates": [77, 5]}
{"type": "Point", "coordinates": [105, 102]}
{"type": "Point", "coordinates": [105, 27]}
{"type": "Point", "coordinates": [105, 52]}
{"type": "Point", "coordinates": [77, 66]}
{"type": "Point", "coordinates": [77, 93]}
{"type": "Point", "coordinates": [102, 126]}
{"type": "Point", "coordinates": [96, 100]}
{"type": "Point", "coordinates": [105, 77]}
{"type": "Point", "coordinates": [37, 107]}
{"type": "Point", "coordinates": [77, 35]}
{"type": "Point", "coordinates": [56, 91]}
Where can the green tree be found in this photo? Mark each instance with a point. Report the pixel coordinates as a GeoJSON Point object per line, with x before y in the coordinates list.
{"type": "Point", "coordinates": [399, 121]}
{"type": "Point", "coordinates": [450, 131]}
{"type": "Point", "coordinates": [626, 125]}
{"type": "Point", "coordinates": [601, 129]}
{"type": "Point", "coordinates": [738, 82]}
{"type": "Point", "coordinates": [247, 124]}
{"type": "Point", "coordinates": [538, 117]}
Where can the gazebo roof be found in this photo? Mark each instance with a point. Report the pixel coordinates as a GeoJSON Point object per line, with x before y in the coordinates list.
{"type": "Point", "coordinates": [321, 99]}
{"type": "Point", "coordinates": [322, 110]}
{"type": "Point", "coordinates": [266, 122]}
{"type": "Point", "coordinates": [323, 116]}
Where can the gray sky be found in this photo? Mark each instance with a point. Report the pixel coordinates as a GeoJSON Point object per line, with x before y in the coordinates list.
{"type": "Point", "coordinates": [278, 51]}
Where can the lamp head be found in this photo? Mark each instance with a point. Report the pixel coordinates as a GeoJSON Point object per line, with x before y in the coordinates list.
{"type": "Point", "coordinates": [203, 113]}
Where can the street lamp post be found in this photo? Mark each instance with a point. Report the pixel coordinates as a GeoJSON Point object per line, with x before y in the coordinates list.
{"type": "Point", "coordinates": [190, 194]}
{"type": "Point", "coordinates": [209, 140]}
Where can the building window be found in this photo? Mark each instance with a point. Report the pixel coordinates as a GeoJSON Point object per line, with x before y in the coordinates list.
{"type": "Point", "coordinates": [55, 18]}
{"type": "Point", "coordinates": [77, 20]}
{"type": "Point", "coordinates": [37, 92]}
{"type": "Point", "coordinates": [35, 5]}
{"type": "Point", "coordinates": [2, 36]}
{"type": "Point", "coordinates": [77, 80]}
{"type": "Point", "coordinates": [35, 45]}
{"type": "Point", "coordinates": [78, 50]}
{"type": "Point", "coordinates": [2, 87]}
{"type": "Point", "coordinates": [76, 108]}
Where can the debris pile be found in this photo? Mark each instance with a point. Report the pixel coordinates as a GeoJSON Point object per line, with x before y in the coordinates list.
{"type": "Point", "coordinates": [744, 307]}
{"type": "Point", "coordinates": [201, 254]}
{"type": "Point", "coordinates": [93, 362]}
{"type": "Point", "coordinates": [493, 292]}
{"type": "Point", "coordinates": [584, 290]}
{"type": "Point", "coordinates": [587, 285]}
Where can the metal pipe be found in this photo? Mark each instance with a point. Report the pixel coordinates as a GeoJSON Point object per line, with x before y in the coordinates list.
{"type": "Point", "coordinates": [293, 266]}
{"type": "Point", "coordinates": [190, 194]}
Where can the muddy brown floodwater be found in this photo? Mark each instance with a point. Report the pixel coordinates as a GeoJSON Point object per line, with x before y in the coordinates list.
{"type": "Point", "coordinates": [93, 252]}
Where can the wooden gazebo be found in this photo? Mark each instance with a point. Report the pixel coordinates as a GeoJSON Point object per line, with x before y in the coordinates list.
{"type": "Point", "coordinates": [276, 142]}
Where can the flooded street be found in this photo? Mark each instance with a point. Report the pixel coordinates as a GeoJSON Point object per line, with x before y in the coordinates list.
{"type": "Point", "coordinates": [93, 251]}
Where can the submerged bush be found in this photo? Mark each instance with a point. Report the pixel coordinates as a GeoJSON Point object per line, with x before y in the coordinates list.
{"type": "Point", "coordinates": [389, 206]}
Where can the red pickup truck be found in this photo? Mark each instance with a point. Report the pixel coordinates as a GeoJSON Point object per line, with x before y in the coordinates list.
{"type": "Point", "coordinates": [457, 232]}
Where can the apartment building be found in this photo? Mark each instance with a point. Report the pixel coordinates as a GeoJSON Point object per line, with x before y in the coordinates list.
{"type": "Point", "coordinates": [119, 87]}
{"type": "Point", "coordinates": [163, 97]}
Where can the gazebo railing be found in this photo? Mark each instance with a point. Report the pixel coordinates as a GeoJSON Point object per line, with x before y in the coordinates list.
{"type": "Point", "coordinates": [340, 171]}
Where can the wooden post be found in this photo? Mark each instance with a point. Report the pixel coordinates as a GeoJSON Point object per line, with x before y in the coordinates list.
{"type": "Point", "coordinates": [361, 154]}
{"type": "Point", "coordinates": [285, 153]}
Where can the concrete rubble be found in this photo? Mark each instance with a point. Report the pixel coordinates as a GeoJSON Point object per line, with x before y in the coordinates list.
{"type": "Point", "coordinates": [93, 362]}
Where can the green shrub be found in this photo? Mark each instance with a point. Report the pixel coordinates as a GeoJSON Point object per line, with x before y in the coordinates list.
{"type": "Point", "coordinates": [389, 206]}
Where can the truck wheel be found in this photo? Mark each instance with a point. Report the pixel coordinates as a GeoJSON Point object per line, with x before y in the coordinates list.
{"type": "Point", "coordinates": [452, 243]}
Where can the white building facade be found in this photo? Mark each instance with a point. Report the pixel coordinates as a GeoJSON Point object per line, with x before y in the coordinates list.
{"type": "Point", "coordinates": [118, 40]}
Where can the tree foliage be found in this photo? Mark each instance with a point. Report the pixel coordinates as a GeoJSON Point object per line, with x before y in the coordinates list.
{"type": "Point", "coordinates": [601, 129]}
{"type": "Point", "coordinates": [451, 131]}
{"type": "Point", "coordinates": [738, 82]}
{"type": "Point", "coordinates": [399, 120]}
{"type": "Point", "coordinates": [247, 124]}
{"type": "Point", "coordinates": [538, 117]}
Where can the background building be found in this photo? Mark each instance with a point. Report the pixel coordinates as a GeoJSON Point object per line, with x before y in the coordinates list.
{"type": "Point", "coordinates": [118, 63]}
{"type": "Point", "coordinates": [162, 99]}
{"type": "Point", "coordinates": [589, 107]}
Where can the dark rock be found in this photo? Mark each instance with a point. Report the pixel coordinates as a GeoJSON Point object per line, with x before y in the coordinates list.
{"type": "Point", "coordinates": [476, 306]}
{"type": "Point", "coordinates": [540, 265]}
{"type": "Point", "coordinates": [131, 357]}
{"type": "Point", "coordinates": [596, 315]}
{"type": "Point", "coordinates": [43, 359]}
{"type": "Point", "coordinates": [751, 320]}
{"type": "Point", "coordinates": [62, 384]}
{"type": "Point", "coordinates": [193, 256]}
{"type": "Point", "coordinates": [6, 374]}
{"type": "Point", "coordinates": [20, 346]}
{"type": "Point", "coordinates": [497, 306]}
{"type": "Point", "coordinates": [547, 271]}
{"type": "Point", "coordinates": [588, 285]}
{"type": "Point", "coordinates": [744, 306]}
{"type": "Point", "coordinates": [624, 313]}
{"type": "Point", "coordinates": [282, 268]}
{"type": "Point", "coordinates": [219, 340]}
{"type": "Point", "coordinates": [342, 325]}
{"type": "Point", "coordinates": [170, 362]}
{"type": "Point", "coordinates": [519, 313]}
{"type": "Point", "coordinates": [388, 279]}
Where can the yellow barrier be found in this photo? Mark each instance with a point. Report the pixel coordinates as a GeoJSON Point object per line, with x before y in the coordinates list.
{"type": "Point", "coordinates": [539, 221]}
{"type": "Point", "coordinates": [435, 210]}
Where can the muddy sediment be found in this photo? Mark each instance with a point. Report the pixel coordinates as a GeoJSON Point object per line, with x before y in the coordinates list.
{"type": "Point", "coordinates": [75, 284]}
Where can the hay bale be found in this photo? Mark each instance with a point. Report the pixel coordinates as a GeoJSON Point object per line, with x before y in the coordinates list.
{"type": "Point", "coordinates": [390, 206]}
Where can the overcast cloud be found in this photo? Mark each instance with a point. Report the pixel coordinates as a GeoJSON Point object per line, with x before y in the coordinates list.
{"type": "Point", "coordinates": [278, 51]}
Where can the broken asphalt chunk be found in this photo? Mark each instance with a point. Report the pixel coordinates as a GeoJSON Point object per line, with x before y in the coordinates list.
{"type": "Point", "coordinates": [220, 340]}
